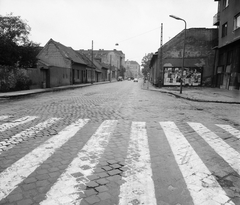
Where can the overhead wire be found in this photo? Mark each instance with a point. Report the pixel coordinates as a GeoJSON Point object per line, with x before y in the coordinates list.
{"type": "Point", "coordinates": [139, 34]}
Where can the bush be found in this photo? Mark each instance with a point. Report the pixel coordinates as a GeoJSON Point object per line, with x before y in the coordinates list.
{"type": "Point", "coordinates": [22, 80]}
{"type": "Point", "coordinates": [13, 79]}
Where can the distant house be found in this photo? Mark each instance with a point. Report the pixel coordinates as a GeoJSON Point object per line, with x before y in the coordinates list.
{"type": "Point", "coordinates": [60, 65]}
{"type": "Point", "coordinates": [114, 58]}
{"type": "Point", "coordinates": [166, 63]}
{"type": "Point", "coordinates": [100, 68]}
{"type": "Point", "coordinates": [132, 69]}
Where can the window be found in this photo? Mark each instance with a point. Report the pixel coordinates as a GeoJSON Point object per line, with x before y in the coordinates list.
{"type": "Point", "coordinates": [224, 29]}
{"type": "Point", "coordinates": [229, 58]}
{"type": "Point", "coordinates": [236, 23]}
{"type": "Point", "coordinates": [78, 74]}
{"type": "Point", "coordinates": [225, 3]}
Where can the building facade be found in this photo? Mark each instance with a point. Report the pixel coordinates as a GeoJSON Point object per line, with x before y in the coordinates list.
{"type": "Point", "coordinates": [132, 69]}
{"type": "Point", "coordinates": [227, 61]}
{"type": "Point", "coordinates": [114, 58]}
{"type": "Point", "coordinates": [166, 63]}
{"type": "Point", "coordinates": [60, 65]}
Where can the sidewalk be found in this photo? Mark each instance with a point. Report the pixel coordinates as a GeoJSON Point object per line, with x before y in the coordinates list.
{"type": "Point", "coordinates": [22, 93]}
{"type": "Point", "coordinates": [200, 94]}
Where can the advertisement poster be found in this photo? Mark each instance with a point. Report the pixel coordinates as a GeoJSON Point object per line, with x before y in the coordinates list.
{"type": "Point", "coordinates": [191, 76]}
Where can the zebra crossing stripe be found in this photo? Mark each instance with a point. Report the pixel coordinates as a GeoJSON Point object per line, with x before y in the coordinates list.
{"type": "Point", "coordinates": [14, 140]}
{"type": "Point", "coordinates": [230, 155]}
{"type": "Point", "coordinates": [201, 184]}
{"type": "Point", "coordinates": [17, 122]}
{"type": "Point", "coordinates": [21, 169]}
{"type": "Point", "coordinates": [231, 130]}
{"type": "Point", "coordinates": [3, 117]}
{"type": "Point", "coordinates": [138, 187]}
{"type": "Point", "coordinates": [69, 186]}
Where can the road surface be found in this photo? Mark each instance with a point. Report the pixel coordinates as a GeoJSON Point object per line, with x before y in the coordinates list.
{"type": "Point", "coordinates": [117, 143]}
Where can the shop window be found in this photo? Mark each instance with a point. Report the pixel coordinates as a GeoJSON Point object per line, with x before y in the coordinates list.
{"type": "Point", "coordinates": [224, 30]}
{"type": "Point", "coordinates": [78, 76]}
{"type": "Point", "coordinates": [229, 58]}
{"type": "Point", "coordinates": [236, 23]}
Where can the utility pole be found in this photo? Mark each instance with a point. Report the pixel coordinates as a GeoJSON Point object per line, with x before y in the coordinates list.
{"type": "Point", "coordinates": [110, 68]}
{"type": "Point", "coordinates": [161, 73]}
{"type": "Point", "coordinates": [92, 65]}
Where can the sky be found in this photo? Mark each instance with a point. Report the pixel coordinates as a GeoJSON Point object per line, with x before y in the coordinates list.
{"type": "Point", "coordinates": [135, 25]}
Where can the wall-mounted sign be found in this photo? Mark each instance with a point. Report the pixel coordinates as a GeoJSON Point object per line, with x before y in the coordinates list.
{"type": "Point", "coordinates": [191, 76]}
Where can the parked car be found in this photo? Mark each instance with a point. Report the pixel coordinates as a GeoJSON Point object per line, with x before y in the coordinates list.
{"type": "Point", "coordinates": [135, 80]}
{"type": "Point", "coordinates": [120, 78]}
{"type": "Point", "coordinates": [129, 78]}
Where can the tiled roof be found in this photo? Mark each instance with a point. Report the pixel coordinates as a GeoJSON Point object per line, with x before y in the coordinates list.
{"type": "Point", "coordinates": [133, 62]}
{"type": "Point", "coordinates": [101, 52]}
{"type": "Point", "coordinates": [68, 52]}
{"type": "Point", "coordinates": [88, 59]}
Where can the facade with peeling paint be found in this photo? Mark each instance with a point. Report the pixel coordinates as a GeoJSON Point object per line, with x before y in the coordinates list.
{"type": "Point", "coordinates": [166, 64]}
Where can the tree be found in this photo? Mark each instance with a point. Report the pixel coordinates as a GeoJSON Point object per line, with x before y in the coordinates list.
{"type": "Point", "coordinates": [146, 63]}
{"type": "Point", "coordinates": [15, 46]}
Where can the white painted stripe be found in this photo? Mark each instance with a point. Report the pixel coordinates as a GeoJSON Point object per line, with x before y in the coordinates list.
{"type": "Point", "coordinates": [3, 117]}
{"type": "Point", "coordinates": [202, 185]}
{"type": "Point", "coordinates": [231, 130]}
{"type": "Point", "coordinates": [21, 169]}
{"type": "Point", "coordinates": [14, 140]}
{"type": "Point", "coordinates": [139, 186]}
{"type": "Point", "coordinates": [69, 186]}
{"type": "Point", "coordinates": [15, 123]}
{"type": "Point", "coordinates": [230, 155]}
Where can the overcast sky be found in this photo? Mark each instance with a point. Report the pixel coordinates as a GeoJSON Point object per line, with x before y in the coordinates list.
{"type": "Point", "coordinates": [133, 24]}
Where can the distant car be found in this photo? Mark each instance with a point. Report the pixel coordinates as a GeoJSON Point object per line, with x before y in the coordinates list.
{"type": "Point", "coordinates": [120, 78]}
{"type": "Point", "coordinates": [135, 80]}
{"type": "Point", "coordinates": [129, 78]}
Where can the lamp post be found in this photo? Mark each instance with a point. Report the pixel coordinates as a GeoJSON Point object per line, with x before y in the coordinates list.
{"type": "Point", "coordinates": [175, 17]}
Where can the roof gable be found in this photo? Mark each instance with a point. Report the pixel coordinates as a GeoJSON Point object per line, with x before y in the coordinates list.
{"type": "Point", "coordinates": [66, 52]}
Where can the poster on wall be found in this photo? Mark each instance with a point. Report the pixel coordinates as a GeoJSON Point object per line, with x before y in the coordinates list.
{"type": "Point", "coordinates": [191, 76]}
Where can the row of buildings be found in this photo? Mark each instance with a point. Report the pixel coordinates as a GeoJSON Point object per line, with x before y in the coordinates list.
{"type": "Point", "coordinates": [212, 55]}
{"type": "Point", "coordinates": [59, 65]}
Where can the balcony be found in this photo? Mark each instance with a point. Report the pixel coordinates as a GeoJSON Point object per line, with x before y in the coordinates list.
{"type": "Point", "coordinates": [216, 19]}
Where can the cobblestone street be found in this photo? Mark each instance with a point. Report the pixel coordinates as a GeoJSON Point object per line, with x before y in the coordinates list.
{"type": "Point", "coordinates": [117, 143]}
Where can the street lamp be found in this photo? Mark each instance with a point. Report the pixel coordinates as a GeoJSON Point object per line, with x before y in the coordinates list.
{"type": "Point", "coordinates": [175, 17]}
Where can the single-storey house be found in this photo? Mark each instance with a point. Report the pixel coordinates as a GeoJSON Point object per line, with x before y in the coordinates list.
{"type": "Point", "coordinates": [61, 65]}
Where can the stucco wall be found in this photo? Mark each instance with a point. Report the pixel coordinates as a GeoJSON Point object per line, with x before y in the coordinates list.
{"type": "Point", "coordinates": [59, 76]}
{"type": "Point", "coordinates": [198, 51]}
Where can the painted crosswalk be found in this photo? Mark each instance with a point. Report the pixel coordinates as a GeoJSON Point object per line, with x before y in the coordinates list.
{"type": "Point", "coordinates": [137, 171]}
{"type": "Point", "coordinates": [14, 140]}
{"type": "Point", "coordinates": [15, 123]}
{"type": "Point", "coordinates": [21, 169]}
